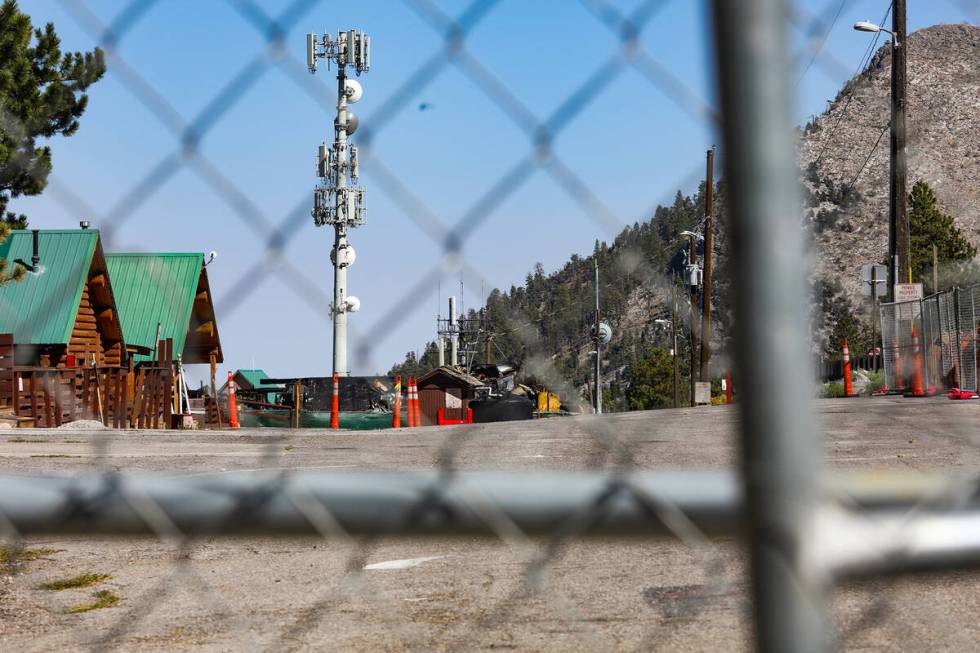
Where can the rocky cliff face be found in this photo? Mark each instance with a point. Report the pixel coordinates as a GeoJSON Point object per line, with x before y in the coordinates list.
{"type": "Point", "coordinates": [851, 227]}
{"type": "Point", "coordinates": [847, 190]}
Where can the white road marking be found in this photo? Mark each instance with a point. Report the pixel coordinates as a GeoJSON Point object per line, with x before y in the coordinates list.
{"type": "Point", "coordinates": [267, 469]}
{"type": "Point", "coordinates": [402, 564]}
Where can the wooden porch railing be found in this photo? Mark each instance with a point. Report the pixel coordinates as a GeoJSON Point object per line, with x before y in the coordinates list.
{"type": "Point", "coordinates": [114, 396]}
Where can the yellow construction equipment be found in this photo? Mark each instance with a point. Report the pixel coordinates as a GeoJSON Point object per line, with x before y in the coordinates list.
{"type": "Point", "coordinates": [548, 402]}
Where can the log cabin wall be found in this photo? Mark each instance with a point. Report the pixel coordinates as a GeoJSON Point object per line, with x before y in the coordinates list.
{"type": "Point", "coordinates": [6, 369]}
{"type": "Point", "coordinates": [94, 331]}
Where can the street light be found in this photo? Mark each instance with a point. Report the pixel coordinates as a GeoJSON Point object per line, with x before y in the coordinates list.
{"type": "Point", "coordinates": [868, 26]}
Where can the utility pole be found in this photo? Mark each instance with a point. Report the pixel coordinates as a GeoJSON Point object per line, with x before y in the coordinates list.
{"type": "Point", "coordinates": [673, 334]}
{"type": "Point", "coordinates": [597, 394]}
{"type": "Point", "coordinates": [335, 202]}
{"type": "Point", "coordinates": [453, 334]}
{"type": "Point", "coordinates": [706, 288]}
{"type": "Point", "coordinates": [935, 269]}
{"type": "Point", "coordinates": [692, 258]}
{"type": "Point", "coordinates": [898, 245]}
{"type": "Point", "coordinates": [874, 311]}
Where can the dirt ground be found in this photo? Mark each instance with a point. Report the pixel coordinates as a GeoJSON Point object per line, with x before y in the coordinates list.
{"type": "Point", "coordinates": [461, 594]}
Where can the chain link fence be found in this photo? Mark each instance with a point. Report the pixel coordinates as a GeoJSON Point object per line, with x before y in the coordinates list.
{"type": "Point", "coordinates": [548, 534]}
{"type": "Point", "coordinates": [937, 334]}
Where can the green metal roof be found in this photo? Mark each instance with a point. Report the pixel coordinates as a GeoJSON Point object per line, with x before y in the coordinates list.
{"type": "Point", "coordinates": [153, 289]}
{"type": "Point", "coordinates": [41, 309]}
{"type": "Point", "coordinates": [254, 379]}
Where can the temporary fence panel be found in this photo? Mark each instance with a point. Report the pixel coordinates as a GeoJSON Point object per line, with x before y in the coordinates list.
{"type": "Point", "coordinates": [947, 324]}
{"type": "Point", "coordinates": [967, 313]}
{"type": "Point", "coordinates": [898, 347]}
{"type": "Point", "coordinates": [930, 343]}
{"type": "Point", "coordinates": [946, 303]}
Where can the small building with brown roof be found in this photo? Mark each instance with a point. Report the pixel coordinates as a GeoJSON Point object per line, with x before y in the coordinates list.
{"type": "Point", "coordinates": [447, 389]}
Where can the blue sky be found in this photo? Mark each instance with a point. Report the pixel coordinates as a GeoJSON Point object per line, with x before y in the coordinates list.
{"type": "Point", "coordinates": [633, 145]}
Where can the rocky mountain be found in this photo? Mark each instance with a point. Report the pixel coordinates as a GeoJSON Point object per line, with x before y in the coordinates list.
{"type": "Point", "coordinates": [849, 215]}
{"type": "Point", "coordinates": [844, 163]}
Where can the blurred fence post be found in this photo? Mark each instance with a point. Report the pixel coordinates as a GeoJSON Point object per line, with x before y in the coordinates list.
{"type": "Point", "coordinates": [781, 452]}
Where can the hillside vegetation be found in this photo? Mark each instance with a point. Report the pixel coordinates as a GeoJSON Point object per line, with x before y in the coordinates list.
{"type": "Point", "coordinates": [544, 324]}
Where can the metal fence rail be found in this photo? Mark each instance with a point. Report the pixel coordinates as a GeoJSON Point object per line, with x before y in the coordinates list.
{"type": "Point", "coordinates": [861, 516]}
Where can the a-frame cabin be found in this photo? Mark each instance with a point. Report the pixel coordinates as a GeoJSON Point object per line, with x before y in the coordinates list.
{"type": "Point", "coordinates": [63, 312]}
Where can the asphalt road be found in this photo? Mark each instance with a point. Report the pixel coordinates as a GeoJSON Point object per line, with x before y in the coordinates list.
{"type": "Point", "coordinates": [455, 594]}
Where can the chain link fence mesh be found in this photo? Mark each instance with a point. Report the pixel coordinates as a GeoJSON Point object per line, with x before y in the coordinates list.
{"type": "Point", "coordinates": [943, 327]}
{"type": "Point", "coordinates": [532, 523]}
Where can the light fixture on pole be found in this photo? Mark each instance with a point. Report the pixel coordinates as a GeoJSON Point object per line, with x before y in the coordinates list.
{"type": "Point", "coordinates": [868, 26]}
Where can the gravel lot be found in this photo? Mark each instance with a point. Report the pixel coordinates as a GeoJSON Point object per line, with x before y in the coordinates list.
{"type": "Point", "coordinates": [462, 594]}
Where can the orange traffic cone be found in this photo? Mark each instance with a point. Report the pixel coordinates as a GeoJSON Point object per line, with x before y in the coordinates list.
{"type": "Point", "coordinates": [411, 401]}
{"type": "Point", "coordinates": [848, 384]}
{"type": "Point", "coordinates": [410, 417]}
{"type": "Point", "coordinates": [232, 404]}
{"type": "Point", "coordinates": [335, 403]}
{"type": "Point", "coordinates": [415, 401]}
{"type": "Point", "coordinates": [396, 414]}
{"type": "Point", "coordinates": [917, 388]}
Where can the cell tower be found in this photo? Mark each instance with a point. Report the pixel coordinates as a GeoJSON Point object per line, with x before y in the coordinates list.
{"type": "Point", "coordinates": [335, 201]}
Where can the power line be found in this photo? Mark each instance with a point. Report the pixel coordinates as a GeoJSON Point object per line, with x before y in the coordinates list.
{"type": "Point", "coordinates": [864, 165]}
{"type": "Point", "coordinates": [823, 41]}
{"type": "Point", "coordinates": [865, 61]}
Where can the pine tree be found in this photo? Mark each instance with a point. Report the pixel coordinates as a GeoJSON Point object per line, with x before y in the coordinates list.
{"type": "Point", "coordinates": [42, 94]}
{"type": "Point", "coordinates": [929, 226]}
{"type": "Point", "coordinates": [415, 366]}
{"type": "Point", "coordinates": [651, 382]}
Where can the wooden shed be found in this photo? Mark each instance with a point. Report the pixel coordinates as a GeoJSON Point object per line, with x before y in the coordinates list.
{"type": "Point", "coordinates": [169, 292]}
{"type": "Point", "coordinates": [447, 389]}
{"type": "Point", "coordinates": [63, 313]}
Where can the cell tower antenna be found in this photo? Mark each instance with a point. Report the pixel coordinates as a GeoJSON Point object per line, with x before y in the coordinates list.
{"type": "Point", "coordinates": [337, 201]}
